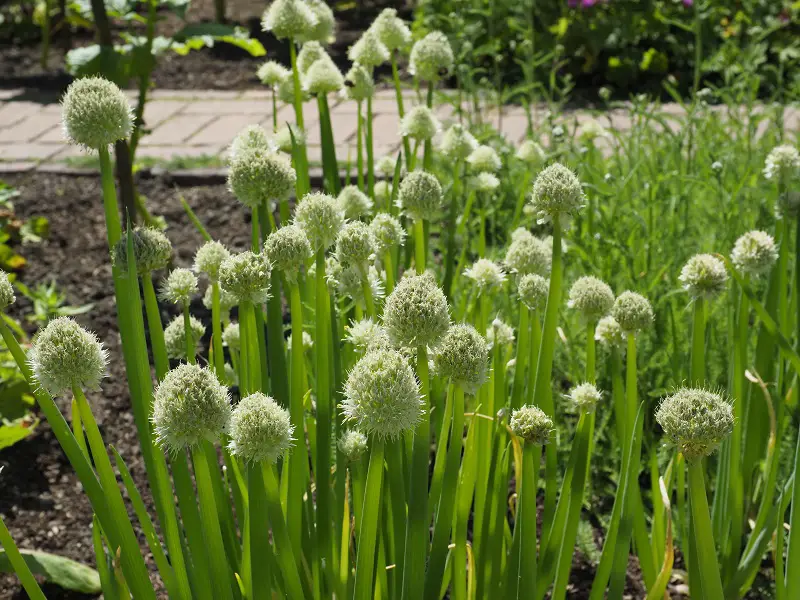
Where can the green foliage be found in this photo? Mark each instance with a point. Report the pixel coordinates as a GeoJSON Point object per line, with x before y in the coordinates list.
{"type": "Point", "coordinates": [62, 571]}
{"type": "Point", "coordinates": [49, 302]}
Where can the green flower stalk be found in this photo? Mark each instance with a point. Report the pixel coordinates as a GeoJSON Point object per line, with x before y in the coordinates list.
{"type": "Point", "coordinates": [360, 87]}
{"type": "Point", "coordinates": [420, 198]}
{"type": "Point", "coordinates": [178, 288]}
{"type": "Point", "coordinates": [532, 292]}
{"type": "Point", "coordinates": [207, 260]}
{"type": "Point", "coordinates": [175, 337]}
{"type": "Point", "coordinates": [388, 235]}
{"type": "Point", "coordinates": [274, 75]}
{"type": "Point", "coordinates": [591, 298]}
{"type": "Point", "coordinates": [354, 248]}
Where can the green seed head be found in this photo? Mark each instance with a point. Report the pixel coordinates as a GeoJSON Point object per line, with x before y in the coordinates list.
{"type": "Point", "coordinates": [288, 249]}
{"type": "Point", "coordinates": [457, 143]}
{"type": "Point", "coordinates": [633, 312]}
{"type": "Point", "coordinates": [325, 27]}
{"type": "Point", "coordinates": [609, 333]}
{"type": "Point", "coordinates": [387, 232]}
{"type": "Point", "coordinates": [556, 191]}
{"type": "Point", "coordinates": [530, 152]}
{"type": "Point", "coordinates": [704, 276]}
{"type": "Point", "coordinates": [190, 406]}
{"type": "Point", "coordinates": [695, 420]}
{"type": "Point", "coordinates": [584, 397]}
{"type": "Point", "coordinates": [359, 82]}
{"type": "Point", "coordinates": [381, 395]}
{"type": "Point", "coordinates": [95, 113]}
{"type": "Point", "coordinates": [431, 57]}
{"type": "Point", "coordinates": [7, 297]}
{"type": "Point", "coordinates": [420, 124]}
{"type": "Point", "coordinates": [354, 244]}
{"type": "Point", "coordinates": [591, 297]}
{"type": "Point", "coordinates": [250, 138]}
{"type": "Point", "coordinates": [151, 250]}
{"type": "Point", "coordinates": [179, 286]}
{"type": "Point", "coordinates": [532, 290]}
{"type": "Point", "coordinates": [293, 19]}
{"type": "Point", "coordinates": [323, 77]}
{"type": "Point", "coordinates": [258, 175]}
{"type": "Point", "coordinates": [368, 51]}
{"type": "Point", "coordinates": [420, 195]}
{"type": "Point", "coordinates": [272, 74]}
{"type": "Point", "coordinates": [260, 430]}
{"type": "Point", "coordinates": [528, 254]}
{"type": "Point", "coordinates": [530, 424]}
{"type": "Point", "coordinates": [484, 159]}
{"type": "Point", "coordinates": [175, 337]}
{"type": "Point", "coordinates": [754, 253]}
{"type": "Point", "coordinates": [319, 216]}
{"type": "Point", "coordinates": [391, 30]}
{"type": "Point", "coordinates": [65, 356]}
{"type": "Point", "coordinates": [416, 312]}
{"type": "Point", "coordinates": [783, 161]}
{"type": "Point", "coordinates": [353, 203]}
{"type": "Point", "coordinates": [247, 276]}
{"type": "Point", "coordinates": [486, 274]}
{"type": "Point", "coordinates": [209, 257]}
{"type": "Point", "coordinates": [463, 357]}
{"type": "Point", "coordinates": [231, 337]}
{"type": "Point", "coordinates": [353, 444]}
{"type": "Point", "coordinates": [226, 300]}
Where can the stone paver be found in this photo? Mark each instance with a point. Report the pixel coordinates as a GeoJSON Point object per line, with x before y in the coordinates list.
{"type": "Point", "coordinates": [177, 130]}
{"type": "Point", "coordinates": [220, 130]}
{"type": "Point", "coordinates": [30, 128]}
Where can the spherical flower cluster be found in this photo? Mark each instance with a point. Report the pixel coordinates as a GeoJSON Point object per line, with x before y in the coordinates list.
{"type": "Point", "coordinates": [368, 51]}
{"type": "Point", "coordinates": [591, 297]}
{"type": "Point", "coordinates": [257, 175]}
{"type": "Point", "coordinates": [354, 244]}
{"type": "Point", "coordinates": [353, 203]}
{"type": "Point", "coordinates": [381, 395]}
{"type": "Point", "coordinates": [209, 257]}
{"type": "Point", "coordinates": [416, 312]}
{"type": "Point", "coordinates": [420, 123]}
{"type": "Point", "coordinates": [695, 420]}
{"type": "Point", "coordinates": [365, 333]}
{"type": "Point", "coordinates": [179, 287]}
{"type": "Point", "coordinates": [420, 195]}
{"type": "Point", "coordinates": [592, 130]}
{"type": "Point", "coordinates": [484, 159]}
{"type": "Point", "coordinates": [286, 92]}
{"type": "Point", "coordinates": [359, 83]}
{"type": "Point", "coordinates": [431, 57]}
{"type": "Point", "coordinates": [190, 406]}
{"type": "Point", "coordinates": [226, 300]}
{"type": "Point", "coordinates": [325, 26]}
{"type": "Point", "coordinates": [272, 74]}
{"type": "Point", "coordinates": [532, 290]}
{"type": "Point", "coordinates": [462, 357]}
{"type": "Point", "coordinates": [391, 30]}
{"type": "Point", "coordinates": [349, 283]}
{"type": "Point", "coordinates": [65, 356]}
{"type": "Point", "coordinates": [319, 216]}
{"type": "Point", "coordinates": [260, 430]}
{"type": "Point", "coordinates": [457, 143]}
{"type": "Point", "coordinates": [353, 444]}
{"type": "Point", "coordinates": [247, 276]}
{"type": "Point", "coordinates": [781, 162]}
{"type": "Point", "coordinates": [285, 135]}
{"type": "Point", "coordinates": [529, 423]}
{"type": "Point", "coordinates": [499, 332]}
{"type": "Point", "coordinates": [754, 253]}
{"type": "Point", "coordinates": [231, 336]}
{"type": "Point", "coordinates": [7, 297]}
{"type": "Point", "coordinates": [704, 276]}
{"type": "Point", "coordinates": [151, 251]}
{"type": "Point", "coordinates": [584, 397]}
{"type": "Point", "coordinates": [486, 274]}
{"type": "Point", "coordinates": [288, 249]}
{"type": "Point", "coordinates": [556, 191]}
{"type": "Point", "coordinates": [323, 77]}
{"type": "Point", "coordinates": [484, 182]}
{"type": "Point", "coordinates": [527, 254]}
{"type": "Point", "coordinates": [310, 53]}
{"type": "Point", "coordinates": [175, 336]}
{"type": "Point", "coordinates": [387, 232]}
{"type": "Point", "coordinates": [609, 333]}
{"type": "Point", "coordinates": [382, 192]}
{"type": "Point", "coordinates": [386, 165]}
{"type": "Point", "coordinates": [530, 152]}
{"type": "Point", "coordinates": [251, 137]}
{"type": "Point", "coordinates": [291, 19]}
{"type": "Point", "coordinates": [95, 113]}
{"type": "Point", "coordinates": [632, 311]}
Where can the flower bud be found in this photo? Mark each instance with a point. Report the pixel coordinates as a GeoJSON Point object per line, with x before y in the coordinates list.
{"type": "Point", "coordinates": [387, 232]}
{"type": "Point", "coordinates": [179, 286]}
{"type": "Point", "coordinates": [95, 113]}
{"type": "Point", "coordinates": [353, 203]}
{"type": "Point", "coordinates": [462, 356]}
{"type": "Point", "coordinates": [754, 253]}
{"type": "Point", "coordinates": [247, 276]}
{"type": "Point", "coordinates": [420, 124]}
{"type": "Point", "coordinates": [354, 244]}
{"type": "Point", "coordinates": [209, 257]}
{"type": "Point", "coordinates": [591, 297]}
{"type": "Point", "coordinates": [584, 397]}
{"type": "Point", "coordinates": [609, 333]}
{"type": "Point", "coordinates": [323, 77]}
{"type": "Point", "coordinates": [272, 74]}
{"type": "Point", "coordinates": [288, 249]}
{"type": "Point", "coordinates": [391, 30]}
{"type": "Point", "coordinates": [259, 175]}
{"type": "Point", "coordinates": [175, 336]}
{"type": "Point", "coordinates": [325, 26]}
{"type": "Point", "coordinates": [695, 420]}
{"type": "Point", "coordinates": [151, 250]}
{"type": "Point", "coordinates": [484, 159]}
{"type": "Point", "coordinates": [532, 290]}
{"type": "Point", "coordinates": [353, 444]}
{"type": "Point", "coordinates": [189, 406]}
{"type": "Point", "coordinates": [486, 274]}
{"type": "Point", "coordinates": [359, 82]}
{"type": "Point", "coordinates": [556, 191]}
{"type": "Point", "coordinates": [530, 424]}
{"type": "Point", "coordinates": [260, 430]}
{"type": "Point", "coordinates": [457, 143]}
{"type": "Point", "coordinates": [231, 336]}
{"type": "Point", "coordinates": [250, 138]}
{"type": "Point", "coordinates": [632, 311]}
{"type": "Point", "coordinates": [782, 161]}
{"type": "Point", "coordinates": [7, 297]}
{"type": "Point", "coordinates": [65, 356]}
{"type": "Point", "coordinates": [528, 254]}
{"type": "Point", "coordinates": [368, 51]}
{"type": "Point", "coordinates": [530, 152]}
{"type": "Point", "coordinates": [291, 19]}
{"type": "Point", "coordinates": [431, 57]}
{"type": "Point", "coordinates": [704, 276]}
{"type": "Point", "coordinates": [226, 300]}
{"type": "Point", "coordinates": [416, 312]}
{"type": "Point", "coordinates": [320, 218]}
{"type": "Point", "coordinates": [381, 395]}
{"type": "Point", "coordinates": [420, 195]}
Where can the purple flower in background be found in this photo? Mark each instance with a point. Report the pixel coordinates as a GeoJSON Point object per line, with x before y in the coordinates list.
{"type": "Point", "coordinates": [572, 3]}
{"type": "Point", "coordinates": [588, 3]}
{"type": "Point", "coordinates": [688, 3]}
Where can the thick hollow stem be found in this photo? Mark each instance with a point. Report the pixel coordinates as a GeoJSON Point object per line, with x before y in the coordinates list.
{"type": "Point", "coordinates": [367, 536]}
{"type": "Point", "coordinates": [706, 556]}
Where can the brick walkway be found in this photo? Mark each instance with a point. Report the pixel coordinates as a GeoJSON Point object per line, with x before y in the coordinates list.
{"type": "Point", "coordinates": [197, 124]}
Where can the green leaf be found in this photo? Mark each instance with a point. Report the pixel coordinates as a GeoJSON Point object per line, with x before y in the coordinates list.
{"type": "Point", "coordinates": [15, 431]}
{"type": "Point", "coordinates": [67, 573]}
